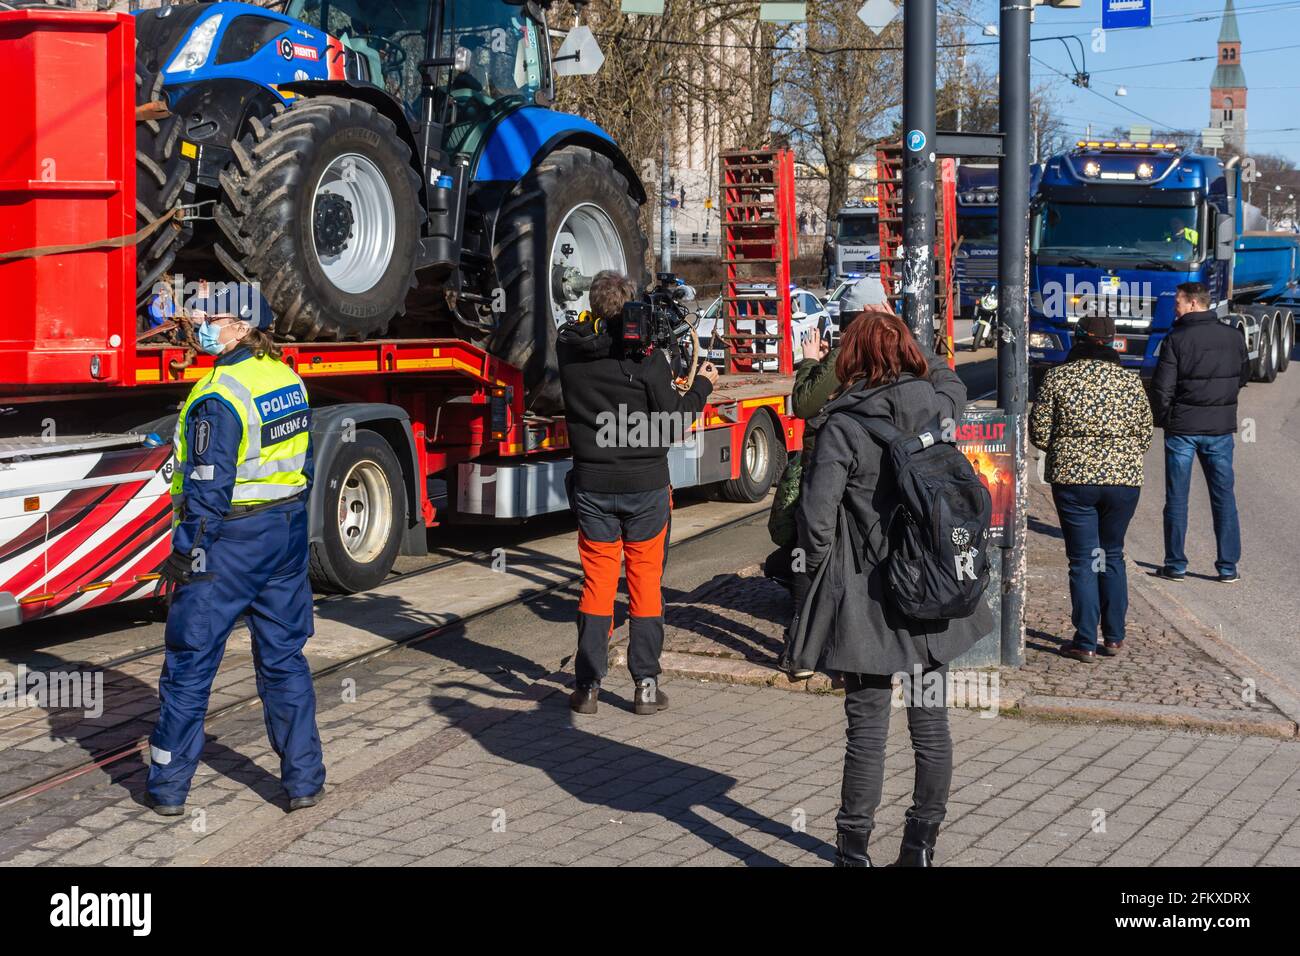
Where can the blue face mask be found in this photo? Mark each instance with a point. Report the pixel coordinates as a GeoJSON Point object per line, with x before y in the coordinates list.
{"type": "Point", "coordinates": [210, 339]}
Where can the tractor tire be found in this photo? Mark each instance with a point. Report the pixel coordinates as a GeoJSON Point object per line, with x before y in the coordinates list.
{"type": "Point", "coordinates": [570, 180]}
{"type": "Point", "coordinates": [163, 181]}
{"type": "Point", "coordinates": [321, 207]}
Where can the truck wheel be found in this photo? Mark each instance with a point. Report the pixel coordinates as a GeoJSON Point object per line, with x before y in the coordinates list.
{"type": "Point", "coordinates": [1268, 352]}
{"type": "Point", "coordinates": [1286, 341]}
{"type": "Point", "coordinates": [759, 456]}
{"type": "Point", "coordinates": [365, 511]}
{"type": "Point", "coordinates": [162, 182]}
{"type": "Point", "coordinates": [569, 218]}
{"type": "Point", "coordinates": [322, 207]}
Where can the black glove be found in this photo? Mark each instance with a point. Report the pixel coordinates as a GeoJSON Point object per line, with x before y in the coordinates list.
{"type": "Point", "coordinates": [178, 569]}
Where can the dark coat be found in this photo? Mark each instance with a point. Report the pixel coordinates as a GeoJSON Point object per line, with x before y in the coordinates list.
{"type": "Point", "coordinates": [845, 622]}
{"type": "Point", "coordinates": [1203, 365]}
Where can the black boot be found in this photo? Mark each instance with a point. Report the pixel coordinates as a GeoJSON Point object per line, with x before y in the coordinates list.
{"type": "Point", "coordinates": [918, 843]}
{"type": "Point", "coordinates": [851, 849]}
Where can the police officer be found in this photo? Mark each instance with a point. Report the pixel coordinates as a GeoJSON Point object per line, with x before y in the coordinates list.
{"type": "Point", "coordinates": [239, 547]}
{"type": "Point", "coordinates": [618, 488]}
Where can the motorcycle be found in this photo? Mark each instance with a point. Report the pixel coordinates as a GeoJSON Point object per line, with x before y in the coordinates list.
{"type": "Point", "coordinates": [985, 322]}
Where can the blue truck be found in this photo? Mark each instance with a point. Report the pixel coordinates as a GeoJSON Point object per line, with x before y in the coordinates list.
{"type": "Point", "coordinates": [976, 266]}
{"type": "Point", "coordinates": [1117, 226]}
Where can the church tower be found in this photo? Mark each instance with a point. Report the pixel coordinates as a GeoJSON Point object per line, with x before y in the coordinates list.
{"type": "Point", "coordinates": [1228, 88]}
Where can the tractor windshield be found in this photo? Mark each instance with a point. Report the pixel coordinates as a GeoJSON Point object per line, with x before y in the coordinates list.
{"type": "Point", "coordinates": [386, 35]}
{"type": "Point", "coordinates": [502, 63]}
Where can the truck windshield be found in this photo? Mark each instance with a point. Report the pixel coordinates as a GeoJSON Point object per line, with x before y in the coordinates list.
{"type": "Point", "coordinates": [978, 230]}
{"type": "Point", "coordinates": [1170, 235]}
{"type": "Point", "coordinates": [865, 228]}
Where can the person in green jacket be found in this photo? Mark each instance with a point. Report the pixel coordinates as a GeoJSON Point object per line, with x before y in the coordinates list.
{"type": "Point", "coordinates": [814, 384]}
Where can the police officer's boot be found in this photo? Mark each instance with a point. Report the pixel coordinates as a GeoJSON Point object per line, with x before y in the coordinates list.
{"type": "Point", "coordinates": [918, 843]}
{"type": "Point", "coordinates": [583, 699]}
{"type": "Point", "coordinates": [649, 698]}
{"type": "Point", "coordinates": [302, 803]}
{"type": "Point", "coordinates": [851, 849]}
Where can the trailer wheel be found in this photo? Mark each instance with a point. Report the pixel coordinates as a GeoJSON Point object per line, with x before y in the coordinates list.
{"type": "Point", "coordinates": [365, 510]}
{"type": "Point", "coordinates": [322, 207]}
{"type": "Point", "coordinates": [1287, 343]}
{"type": "Point", "coordinates": [762, 459]}
{"type": "Point", "coordinates": [162, 182]}
{"type": "Point", "coordinates": [569, 218]}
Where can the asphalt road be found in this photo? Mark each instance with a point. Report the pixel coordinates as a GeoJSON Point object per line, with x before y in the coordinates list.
{"type": "Point", "coordinates": [1260, 616]}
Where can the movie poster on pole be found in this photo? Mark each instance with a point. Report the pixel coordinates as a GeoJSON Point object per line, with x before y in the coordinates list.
{"type": "Point", "coordinates": [984, 437]}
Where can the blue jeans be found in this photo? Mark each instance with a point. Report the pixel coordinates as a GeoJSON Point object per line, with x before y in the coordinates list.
{"type": "Point", "coordinates": [1094, 520]}
{"type": "Point", "coordinates": [1215, 454]}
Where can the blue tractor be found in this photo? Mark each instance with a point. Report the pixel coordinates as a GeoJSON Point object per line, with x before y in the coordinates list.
{"type": "Point", "coordinates": [387, 166]}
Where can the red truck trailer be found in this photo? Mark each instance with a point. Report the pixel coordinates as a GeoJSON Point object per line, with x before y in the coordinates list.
{"type": "Point", "coordinates": [408, 434]}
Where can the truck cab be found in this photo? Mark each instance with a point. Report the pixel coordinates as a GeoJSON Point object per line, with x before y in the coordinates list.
{"type": "Point", "coordinates": [857, 239]}
{"type": "Point", "coordinates": [976, 265]}
{"type": "Point", "coordinates": [1116, 227]}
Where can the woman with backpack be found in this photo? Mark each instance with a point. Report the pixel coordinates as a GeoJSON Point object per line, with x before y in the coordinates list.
{"type": "Point", "coordinates": [852, 615]}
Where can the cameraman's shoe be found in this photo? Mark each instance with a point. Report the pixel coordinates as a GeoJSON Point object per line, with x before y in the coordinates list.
{"type": "Point", "coordinates": [649, 699]}
{"type": "Point", "coordinates": [583, 699]}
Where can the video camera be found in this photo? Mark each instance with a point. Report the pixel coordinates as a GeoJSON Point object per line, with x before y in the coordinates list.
{"type": "Point", "coordinates": [658, 319]}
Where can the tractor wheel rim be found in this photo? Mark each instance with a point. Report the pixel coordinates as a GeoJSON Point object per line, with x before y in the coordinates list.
{"type": "Point", "coordinates": [368, 248]}
{"type": "Point", "coordinates": [756, 455]}
{"type": "Point", "coordinates": [586, 243]}
{"type": "Point", "coordinates": [365, 506]}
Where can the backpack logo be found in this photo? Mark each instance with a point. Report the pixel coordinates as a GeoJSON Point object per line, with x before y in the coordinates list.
{"type": "Point", "coordinates": [961, 538]}
{"type": "Point", "coordinates": [966, 565]}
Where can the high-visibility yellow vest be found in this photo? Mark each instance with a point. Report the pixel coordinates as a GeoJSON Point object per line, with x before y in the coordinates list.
{"type": "Point", "coordinates": [270, 401]}
{"type": "Point", "coordinates": [1191, 235]}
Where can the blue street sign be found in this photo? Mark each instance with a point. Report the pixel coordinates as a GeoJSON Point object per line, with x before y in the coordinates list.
{"type": "Point", "coordinates": [916, 141]}
{"type": "Point", "coordinates": [1120, 14]}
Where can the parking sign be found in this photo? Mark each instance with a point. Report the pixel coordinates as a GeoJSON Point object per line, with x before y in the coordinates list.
{"type": "Point", "coordinates": [1119, 14]}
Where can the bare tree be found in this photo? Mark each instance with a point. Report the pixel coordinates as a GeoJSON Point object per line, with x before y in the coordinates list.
{"type": "Point", "coordinates": [839, 97]}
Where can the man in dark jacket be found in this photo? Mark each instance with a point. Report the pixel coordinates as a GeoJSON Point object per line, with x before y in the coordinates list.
{"type": "Point", "coordinates": [1203, 365]}
{"type": "Point", "coordinates": [623, 411]}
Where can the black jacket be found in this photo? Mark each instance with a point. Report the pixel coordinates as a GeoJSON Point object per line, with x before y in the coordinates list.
{"type": "Point", "coordinates": [1203, 365]}
{"type": "Point", "coordinates": [610, 404]}
{"type": "Point", "coordinates": [846, 622]}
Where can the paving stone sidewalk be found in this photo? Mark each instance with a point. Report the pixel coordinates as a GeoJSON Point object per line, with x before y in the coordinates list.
{"type": "Point", "coordinates": [730, 630]}
{"type": "Point", "coordinates": [730, 775]}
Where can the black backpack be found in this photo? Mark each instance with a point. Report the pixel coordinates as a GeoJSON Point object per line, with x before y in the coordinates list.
{"type": "Point", "coordinates": [936, 567]}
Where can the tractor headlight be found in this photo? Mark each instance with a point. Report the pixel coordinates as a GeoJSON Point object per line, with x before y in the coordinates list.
{"type": "Point", "coordinates": [194, 53]}
{"type": "Point", "coordinates": [989, 300]}
{"type": "Point", "coordinates": [1042, 340]}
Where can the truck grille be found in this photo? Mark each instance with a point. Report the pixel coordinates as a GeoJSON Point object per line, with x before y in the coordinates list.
{"type": "Point", "coordinates": [861, 265]}
{"type": "Point", "coordinates": [981, 268]}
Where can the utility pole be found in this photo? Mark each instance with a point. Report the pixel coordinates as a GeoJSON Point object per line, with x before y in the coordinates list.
{"type": "Point", "coordinates": [1013, 302]}
{"type": "Point", "coordinates": [665, 185]}
{"type": "Point", "coordinates": [919, 39]}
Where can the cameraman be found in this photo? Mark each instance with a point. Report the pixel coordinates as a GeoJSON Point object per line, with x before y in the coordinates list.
{"type": "Point", "coordinates": [619, 487]}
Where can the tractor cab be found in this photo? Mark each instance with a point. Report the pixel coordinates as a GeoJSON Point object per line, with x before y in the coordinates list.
{"type": "Point", "coordinates": [490, 56]}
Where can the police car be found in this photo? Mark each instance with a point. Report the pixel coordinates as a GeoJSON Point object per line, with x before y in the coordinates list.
{"type": "Point", "coordinates": [806, 312]}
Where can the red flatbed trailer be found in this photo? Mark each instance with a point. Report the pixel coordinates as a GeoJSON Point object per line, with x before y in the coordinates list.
{"type": "Point", "coordinates": [408, 434]}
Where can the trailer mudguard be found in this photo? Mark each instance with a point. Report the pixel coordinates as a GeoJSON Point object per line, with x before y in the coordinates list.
{"type": "Point", "coordinates": [518, 141]}
{"type": "Point", "coordinates": [331, 426]}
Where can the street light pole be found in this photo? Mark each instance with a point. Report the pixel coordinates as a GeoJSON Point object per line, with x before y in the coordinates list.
{"type": "Point", "coordinates": [919, 39]}
{"type": "Point", "coordinates": [1013, 302]}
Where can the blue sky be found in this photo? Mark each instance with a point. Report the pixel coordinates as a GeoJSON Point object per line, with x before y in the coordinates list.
{"type": "Point", "coordinates": [1177, 94]}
